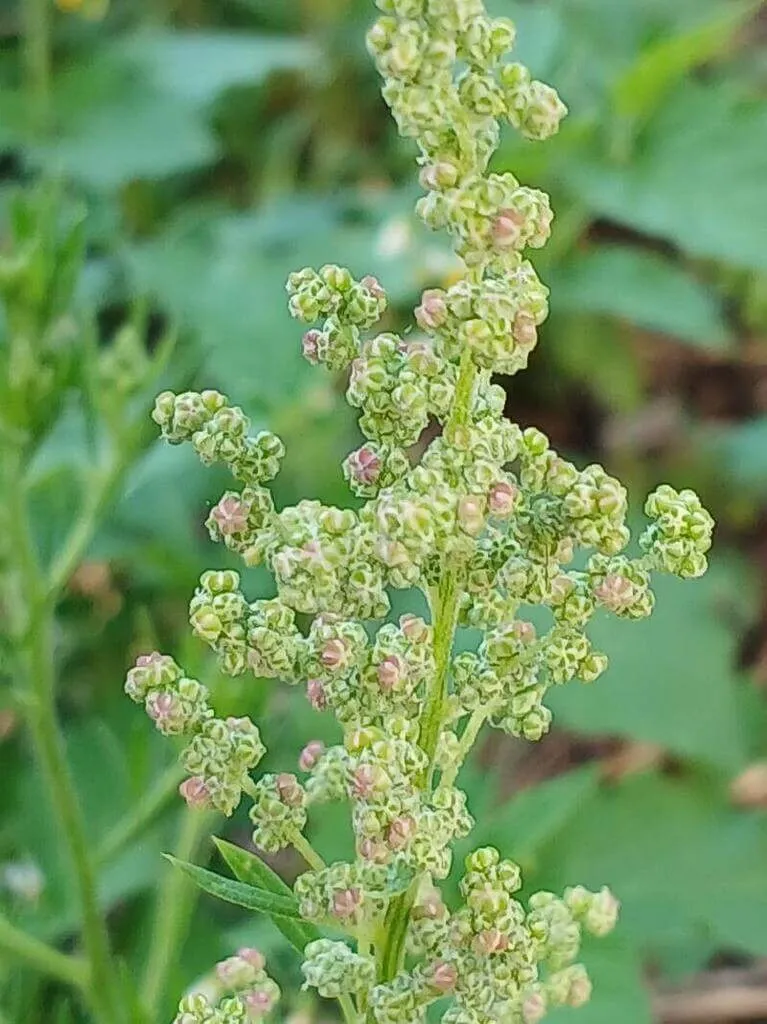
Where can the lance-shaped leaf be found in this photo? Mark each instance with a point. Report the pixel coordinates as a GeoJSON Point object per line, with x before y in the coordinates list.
{"type": "Point", "coordinates": [250, 869]}
{"type": "Point", "coordinates": [249, 896]}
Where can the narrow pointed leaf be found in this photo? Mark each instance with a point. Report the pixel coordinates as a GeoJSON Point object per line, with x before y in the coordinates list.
{"type": "Point", "coordinates": [249, 896]}
{"type": "Point", "coordinates": [250, 869]}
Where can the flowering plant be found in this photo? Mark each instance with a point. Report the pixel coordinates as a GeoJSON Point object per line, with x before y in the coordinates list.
{"type": "Point", "coordinates": [485, 523]}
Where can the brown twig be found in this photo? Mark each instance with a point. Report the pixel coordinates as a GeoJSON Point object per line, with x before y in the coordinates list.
{"type": "Point", "coordinates": [717, 997]}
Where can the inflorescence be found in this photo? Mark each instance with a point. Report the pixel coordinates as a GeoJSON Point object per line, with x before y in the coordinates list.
{"type": "Point", "coordinates": [485, 520]}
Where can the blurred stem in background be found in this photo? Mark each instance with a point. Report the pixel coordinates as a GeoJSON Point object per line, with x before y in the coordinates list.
{"type": "Point", "coordinates": [38, 700]}
{"type": "Point", "coordinates": [48, 351]}
{"type": "Point", "coordinates": [37, 62]}
{"type": "Point", "coordinates": [175, 902]}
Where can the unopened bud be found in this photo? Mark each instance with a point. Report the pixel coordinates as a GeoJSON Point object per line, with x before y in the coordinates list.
{"type": "Point", "coordinates": [195, 792]}
{"type": "Point", "coordinates": [311, 754]}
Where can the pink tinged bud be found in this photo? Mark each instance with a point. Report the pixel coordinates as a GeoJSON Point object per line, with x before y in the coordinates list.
{"type": "Point", "coordinates": [310, 346]}
{"type": "Point", "coordinates": [230, 516]}
{"type": "Point", "coordinates": [390, 672]}
{"type": "Point", "coordinates": [414, 628]}
{"type": "Point", "coordinates": [311, 754]}
{"type": "Point", "coordinates": [534, 1008]}
{"type": "Point", "coordinates": [312, 551]}
{"type": "Point", "coordinates": [616, 592]}
{"type": "Point", "coordinates": [400, 832]}
{"type": "Point", "coordinates": [443, 977]}
{"type": "Point", "coordinates": [252, 956]}
{"type": "Point", "coordinates": [195, 792]}
{"type": "Point", "coordinates": [580, 990]}
{"type": "Point", "coordinates": [470, 515]}
{"type": "Point", "coordinates": [364, 781]}
{"type": "Point", "coordinates": [525, 330]}
{"type": "Point", "coordinates": [374, 851]}
{"type": "Point", "coordinates": [501, 499]}
{"type": "Point", "coordinates": [524, 631]}
{"type": "Point", "coordinates": [289, 790]}
{"type": "Point", "coordinates": [431, 314]}
{"type": "Point", "coordinates": [161, 707]}
{"type": "Point", "coordinates": [491, 941]}
{"type": "Point", "coordinates": [315, 691]}
{"type": "Point", "coordinates": [432, 907]}
{"type": "Point", "coordinates": [346, 903]}
{"type": "Point", "coordinates": [373, 285]}
{"type": "Point", "coordinates": [232, 971]}
{"type": "Point", "coordinates": [438, 176]}
{"type": "Point", "coordinates": [259, 1003]}
{"type": "Point", "coordinates": [364, 465]}
{"type": "Point", "coordinates": [334, 654]}
{"type": "Point", "coordinates": [153, 660]}
{"type": "Point", "coordinates": [507, 228]}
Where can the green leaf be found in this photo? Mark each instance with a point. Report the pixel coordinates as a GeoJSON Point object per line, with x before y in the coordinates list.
{"type": "Point", "coordinates": [249, 896]}
{"type": "Point", "coordinates": [682, 862]}
{"type": "Point", "coordinates": [219, 60]}
{"type": "Point", "coordinates": [239, 265]}
{"type": "Point", "coordinates": [112, 125]}
{"type": "Point", "coordinates": [249, 868]}
{"type": "Point", "coordinates": [617, 972]}
{"type": "Point", "coordinates": [639, 90]}
{"type": "Point", "coordinates": [643, 288]}
{"type": "Point", "coordinates": [672, 679]}
{"type": "Point", "coordinates": [536, 816]}
{"type": "Point", "coordinates": [741, 450]}
{"type": "Point", "coordinates": [698, 176]}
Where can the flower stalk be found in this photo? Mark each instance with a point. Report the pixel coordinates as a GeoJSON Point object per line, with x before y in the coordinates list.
{"type": "Point", "coordinates": [485, 524]}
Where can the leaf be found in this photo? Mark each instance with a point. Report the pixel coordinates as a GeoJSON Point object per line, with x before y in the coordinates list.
{"type": "Point", "coordinates": [741, 450]}
{"type": "Point", "coordinates": [617, 972]}
{"type": "Point", "coordinates": [682, 862]}
{"type": "Point", "coordinates": [672, 679]}
{"type": "Point", "coordinates": [698, 176]}
{"type": "Point", "coordinates": [249, 896]}
{"type": "Point", "coordinates": [219, 60]}
{"type": "Point", "coordinates": [536, 816]}
{"type": "Point", "coordinates": [643, 288]}
{"type": "Point", "coordinates": [239, 265]}
{"type": "Point", "coordinates": [639, 91]}
{"type": "Point", "coordinates": [249, 868]}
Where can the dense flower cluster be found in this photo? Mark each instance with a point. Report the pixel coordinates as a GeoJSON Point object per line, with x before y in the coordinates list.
{"type": "Point", "coordinates": [485, 522]}
{"type": "Point", "coordinates": [247, 993]}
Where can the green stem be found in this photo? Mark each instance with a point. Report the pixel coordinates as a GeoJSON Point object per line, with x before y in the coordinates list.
{"type": "Point", "coordinates": [51, 756]}
{"type": "Point", "coordinates": [176, 899]}
{"type": "Point", "coordinates": [470, 733]}
{"type": "Point", "coordinates": [41, 957]}
{"type": "Point", "coordinates": [348, 1010]}
{"type": "Point", "coordinates": [98, 499]}
{"type": "Point", "coordinates": [49, 746]}
{"type": "Point", "coordinates": [448, 594]}
{"type": "Point", "coordinates": [307, 851]}
{"type": "Point", "coordinates": [445, 617]}
{"type": "Point", "coordinates": [37, 62]}
{"type": "Point", "coordinates": [142, 816]}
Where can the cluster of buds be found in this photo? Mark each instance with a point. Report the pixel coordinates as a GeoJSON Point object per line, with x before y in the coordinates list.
{"type": "Point", "coordinates": [220, 753]}
{"type": "Point", "coordinates": [246, 993]}
{"type": "Point", "coordinates": [346, 306]}
{"type": "Point", "coordinates": [483, 520]}
{"type": "Point", "coordinates": [219, 433]}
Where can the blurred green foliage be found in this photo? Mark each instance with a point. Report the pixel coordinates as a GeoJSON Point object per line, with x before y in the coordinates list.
{"type": "Point", "coordinates": [215, 147]}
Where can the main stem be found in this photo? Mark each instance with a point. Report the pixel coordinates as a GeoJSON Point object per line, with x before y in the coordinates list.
{"type": "Point", "coordinates": [394, 932]}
